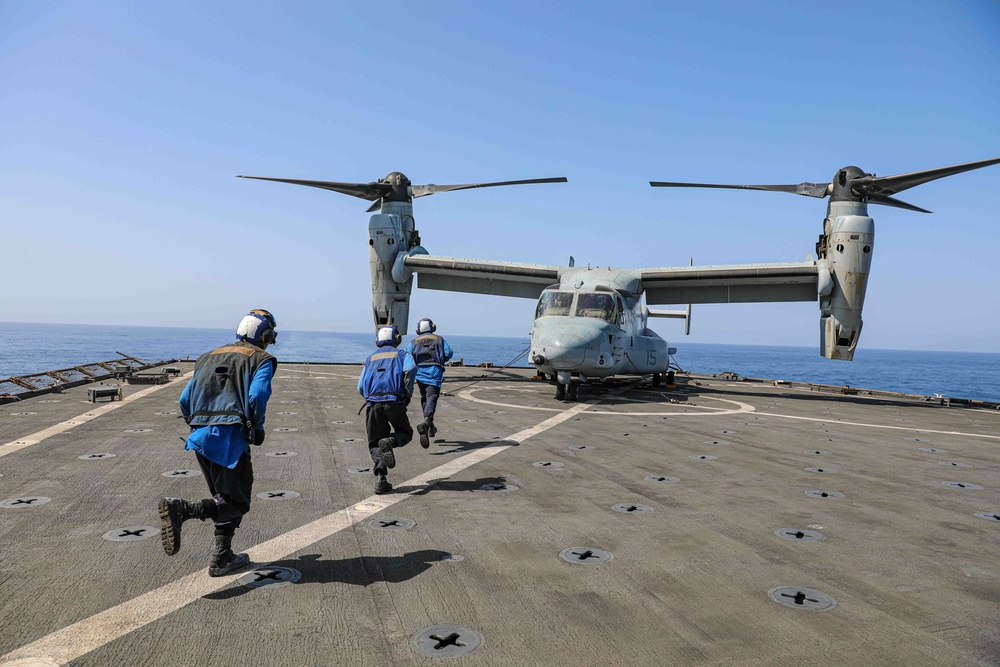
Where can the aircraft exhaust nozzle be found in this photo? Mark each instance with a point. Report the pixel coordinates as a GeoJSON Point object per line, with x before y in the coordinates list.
{"type": "Point", "coordinates": [842, 290]}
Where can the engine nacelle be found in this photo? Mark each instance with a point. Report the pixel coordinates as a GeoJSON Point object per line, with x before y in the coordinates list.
{"type": "Point", "coordinates": [842, 283]}
{"type": "Point", "coordinates": [390, 234]}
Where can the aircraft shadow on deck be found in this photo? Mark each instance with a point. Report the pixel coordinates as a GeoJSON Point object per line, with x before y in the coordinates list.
{"type": "Point", "coordinates": [359, 571]}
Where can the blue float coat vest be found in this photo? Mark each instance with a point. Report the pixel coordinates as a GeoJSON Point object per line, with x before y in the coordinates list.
{"type": "Point", "coordinates": [428, 350]}
{"type": "Point", "coordinates": [383, 379]}
{"type": "Point", "coordinates": [220, 387]}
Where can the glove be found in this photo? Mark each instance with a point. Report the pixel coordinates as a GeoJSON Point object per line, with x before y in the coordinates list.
{"type": "Point", "coordinates": [258, 437]}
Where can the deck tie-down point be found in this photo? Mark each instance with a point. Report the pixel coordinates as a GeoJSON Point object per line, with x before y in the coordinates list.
{"type": "Point", "coordinates": [392, 523]}
{"type": "Point", "coordinates": [446, 641]}
{"type": "Point", "coordinates": [450, 640]}
{"type": "Point", "coordinates": [585, 555]}
{"type": "Point", "coordinates": [799, 535]}
{"type": "Point", "coordinates": [628, 508]}
{"type": "Point", "coordinates": [802, 598]}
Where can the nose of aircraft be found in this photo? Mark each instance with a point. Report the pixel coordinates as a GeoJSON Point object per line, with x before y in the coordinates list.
{"type": "Point", "coordinates": [565, 351]}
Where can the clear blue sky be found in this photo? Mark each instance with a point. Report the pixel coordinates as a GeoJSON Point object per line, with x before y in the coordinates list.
{"type": "Point", "coordinates": [123, 125]}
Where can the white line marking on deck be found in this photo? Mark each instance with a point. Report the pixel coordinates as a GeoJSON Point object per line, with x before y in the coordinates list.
{"type": "Point", "coordinates": [35, 438]}
{"type": "Point", "coordinates": [916, 429]}
{"type": "Point", "coordinates": [329, 375]}
{"type": "Point", "coordinates": [92, 633]}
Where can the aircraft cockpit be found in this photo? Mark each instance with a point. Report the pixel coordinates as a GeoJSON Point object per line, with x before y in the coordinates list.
{"type": "Point", "coordinates": [554, 304]}
{"type": "Point", "coordinates": [600, 305]}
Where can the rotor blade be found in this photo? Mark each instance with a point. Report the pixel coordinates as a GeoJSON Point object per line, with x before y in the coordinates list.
{"type": "Point", "coordinates": [369, 191]}
{"type": "Point", "coordinates": [424, 190]}
{"type": "Point", "coordinates": [890, 185]}
{"type": "Point", "coordinates": [375, 206]}
{"type": "Point", "coordinates": [819, 190]}
{"type": "Point", "coordinates": [896, 203]}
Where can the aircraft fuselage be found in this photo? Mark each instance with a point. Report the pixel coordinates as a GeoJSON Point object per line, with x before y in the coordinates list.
{"type": "Point", "coordinates": [593, 325]}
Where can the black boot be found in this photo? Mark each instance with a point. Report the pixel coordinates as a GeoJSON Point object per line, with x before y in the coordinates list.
{"type": "Point", "coordinates": [425, 442]}
{"type": "Point", "coordinates": [223, 558]}
{"type": "Point", "coordinates": [432, 430]}
{"type": "Point", "coordinates": [382, 485]}
{"type": "Point", "coordinates": [386, 445]}
{"type": "Point", "coordinates": [173, 513]}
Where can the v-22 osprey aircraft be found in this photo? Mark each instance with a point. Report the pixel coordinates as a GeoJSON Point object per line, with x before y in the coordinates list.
{"type": "Point", "coordinates": [591, 323]}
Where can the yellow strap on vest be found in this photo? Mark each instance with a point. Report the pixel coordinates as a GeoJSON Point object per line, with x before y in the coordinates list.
{"type": "Point", "coordinates": [235, 348]}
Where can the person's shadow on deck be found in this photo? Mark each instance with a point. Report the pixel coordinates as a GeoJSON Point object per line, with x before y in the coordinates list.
{"type": "Point", "coordinates": [360, 571]}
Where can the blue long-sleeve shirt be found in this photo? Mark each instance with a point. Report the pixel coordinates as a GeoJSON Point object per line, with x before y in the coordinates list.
{"type": "Point", "coordinates": [225, 444]}
{"type": "Point", "coordinates": [433, 374]}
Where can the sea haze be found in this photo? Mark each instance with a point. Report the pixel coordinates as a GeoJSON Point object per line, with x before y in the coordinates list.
{"type": "Point", "coordinates": [34, 348]}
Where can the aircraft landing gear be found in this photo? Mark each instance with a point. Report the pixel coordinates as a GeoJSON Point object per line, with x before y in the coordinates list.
{"type": "Point", "coordinates": [567, 392]}
{"type": "Point", "coordinates": [657, 379]}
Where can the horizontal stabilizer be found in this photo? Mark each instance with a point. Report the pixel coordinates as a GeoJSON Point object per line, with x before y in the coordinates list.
{"type": "Point", "coordinates": [674, 314]}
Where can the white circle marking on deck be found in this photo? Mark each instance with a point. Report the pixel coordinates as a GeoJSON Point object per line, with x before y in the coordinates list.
{"type": "Point", "coordinates": [708, 412]}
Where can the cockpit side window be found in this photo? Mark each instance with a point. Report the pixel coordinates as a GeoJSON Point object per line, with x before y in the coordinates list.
{"type": "Point", "coordinates": [553, 304]}
{"type": "Point", "coordinates": [601, 306]}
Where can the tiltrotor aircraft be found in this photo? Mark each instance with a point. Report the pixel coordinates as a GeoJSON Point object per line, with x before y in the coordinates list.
{"type": "Point", "coordinates": [591, 323]}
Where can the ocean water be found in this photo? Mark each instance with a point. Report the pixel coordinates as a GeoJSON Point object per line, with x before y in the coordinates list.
{"type": "Point", "coordinates": [34, 348]}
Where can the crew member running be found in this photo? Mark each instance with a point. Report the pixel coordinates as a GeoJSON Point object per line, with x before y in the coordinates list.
{"type": "Point", "coordinates": [225, 404]}
{"type": "Point", "coordinates": [386, 383]}
{"type": "Point", "coordinates": [430, 352]}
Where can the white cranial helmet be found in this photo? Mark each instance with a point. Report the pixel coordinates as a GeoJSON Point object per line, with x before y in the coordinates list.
{"type": "Point", "coordinates": [425, 326]}
{"type": "Point", "coordinates": [388, 336]}
{"type": "Point", "coordinates": [258, 327]}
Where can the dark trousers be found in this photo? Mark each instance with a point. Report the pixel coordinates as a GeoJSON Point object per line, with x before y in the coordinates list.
{"type": "Point", "coordinates": [380, 420]}
{"type": "Point", "coordinates": [429, 398]}
{"type": "Point", "coordinates": [231, 490]}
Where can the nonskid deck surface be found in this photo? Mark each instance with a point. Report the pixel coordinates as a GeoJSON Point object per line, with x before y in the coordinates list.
{"type": "Point", "coordinates": [681, 524]}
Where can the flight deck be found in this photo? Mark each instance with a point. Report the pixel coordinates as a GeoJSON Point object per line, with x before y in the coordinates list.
{"type": "Point", "coordinates": [716, 523]}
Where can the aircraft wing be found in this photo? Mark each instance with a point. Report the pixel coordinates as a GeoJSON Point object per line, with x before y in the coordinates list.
{"type": "Point", "coordinates": [458, 274]}
{"type": "Point", "coordinates": [733, 283]}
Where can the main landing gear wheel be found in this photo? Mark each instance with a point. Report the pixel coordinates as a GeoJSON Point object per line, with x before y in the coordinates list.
{"type": "Point", "coordinates": [560, 392]}
{"type": "Point", "coordinates": [657, 379]}
{"type": "Point", "coordinates": [574, 391]}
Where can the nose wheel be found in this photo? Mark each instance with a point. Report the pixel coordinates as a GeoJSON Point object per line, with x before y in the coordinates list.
{"type": "Point", "coordinates": [569, 392]}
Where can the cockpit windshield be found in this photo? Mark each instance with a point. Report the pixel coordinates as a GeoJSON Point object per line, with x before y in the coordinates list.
{"type": "Point", "coordinates": [601, 306]}
{"type": "Point", "coordinates": [554, 304]}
